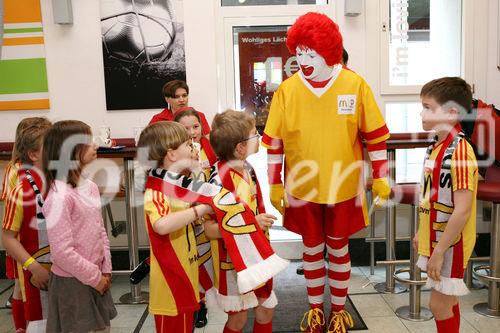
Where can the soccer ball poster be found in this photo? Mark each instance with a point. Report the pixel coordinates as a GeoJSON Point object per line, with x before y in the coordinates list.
{"type": "Point", "coordinates": [23, 73]}
{"type": "Point", "coordinates": [143, 48]}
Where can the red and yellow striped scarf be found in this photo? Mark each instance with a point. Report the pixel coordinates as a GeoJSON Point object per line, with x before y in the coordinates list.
{"type": "Point", "coordinates": [254, 260]}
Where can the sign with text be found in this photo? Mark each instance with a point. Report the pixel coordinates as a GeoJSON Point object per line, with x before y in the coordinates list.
{"type": "Point", "coordinates": [264, 62]}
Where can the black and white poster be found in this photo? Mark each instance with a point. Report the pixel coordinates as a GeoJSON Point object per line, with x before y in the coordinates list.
{"type": "Point", "coordinates": [143, 48]}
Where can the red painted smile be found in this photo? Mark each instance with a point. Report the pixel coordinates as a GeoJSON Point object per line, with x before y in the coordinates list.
{"type": "Point", "coordinates": [307, 70]}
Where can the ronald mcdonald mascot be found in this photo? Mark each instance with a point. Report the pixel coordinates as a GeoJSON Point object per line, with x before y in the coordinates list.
{"type": "Point", "coordinates": [319, 119]}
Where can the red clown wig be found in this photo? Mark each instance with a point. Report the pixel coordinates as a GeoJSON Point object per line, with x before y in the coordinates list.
{"type": "Point", "coordinates": [317, 32]}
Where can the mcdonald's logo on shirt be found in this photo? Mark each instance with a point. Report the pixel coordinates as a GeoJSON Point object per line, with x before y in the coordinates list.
{"type": "Point", "coordinates": [346, 104]}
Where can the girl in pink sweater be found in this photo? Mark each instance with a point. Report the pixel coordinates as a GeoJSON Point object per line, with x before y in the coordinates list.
{"type": "Point", "coordinates": [80, 278]}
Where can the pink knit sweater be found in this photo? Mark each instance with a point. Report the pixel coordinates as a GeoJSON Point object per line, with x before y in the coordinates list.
{"type": "Point", "coordinates": [79, 244]}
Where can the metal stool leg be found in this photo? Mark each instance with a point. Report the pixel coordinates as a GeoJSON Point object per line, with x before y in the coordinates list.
{"type": "Point", "coordinates": [414, 311]}
{"type": "Point", "coordinates": [372, 234]}
{"type": "Point", "coordinates": [469, 279]}
{"type": "Point", "coordinates": [135, 296]}
{"type": "Point", "coordinates": [492, 308]}
{"type": "Point", "coordinates": [390, 286]}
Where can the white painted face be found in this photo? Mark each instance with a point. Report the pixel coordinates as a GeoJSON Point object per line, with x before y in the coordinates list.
{"type": "Point", "coordinates": [312, 64]}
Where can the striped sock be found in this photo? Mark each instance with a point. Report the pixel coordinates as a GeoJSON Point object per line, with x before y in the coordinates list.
{"type": "Point", "coordinates": [314, 272]}
{"type": "Point", "coordinates": [339, 271]}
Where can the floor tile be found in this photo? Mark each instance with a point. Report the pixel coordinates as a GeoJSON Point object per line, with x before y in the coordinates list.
{"type": "Point", "coordinates": [359, 281]}
{"type": "Point", "coordinates": [5, 296]}
{"type": "Point", "coordinates": [4, 284]}
{"type": "Point", "coordinates": [6, 324]}
{"type": "Point", "coordinates": [149, 322]}
{"type": "Point", "coordinates": [128, 316]}
{"type": "Point", "coordinates": [467, 302]}
{"type": "Point", "coordinates": [481, 323]}
{"type": "Point", "coordinates": [371, 306]}
{"type": "Point", "coordinates": [390, 324]}
{"type": "Point", "coordinates": [397, 300]}
{"type": "Point", "coordinates": [121, 286]}
{"type": "Point", "coordinates": [430, 326]}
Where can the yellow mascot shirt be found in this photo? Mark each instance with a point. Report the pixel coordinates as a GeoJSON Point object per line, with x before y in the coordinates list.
{"type": "Point", "coordinates": [321, 136]}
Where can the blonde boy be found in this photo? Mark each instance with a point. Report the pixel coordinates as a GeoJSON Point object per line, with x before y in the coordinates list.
{"type": "Point", "coordinates": [234, 138]}
{"type": "Point", "coordinates": [174, 293]}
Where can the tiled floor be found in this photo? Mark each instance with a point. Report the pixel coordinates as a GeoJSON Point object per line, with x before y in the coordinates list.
{"type": "Point", "coordinates": [376, 309]}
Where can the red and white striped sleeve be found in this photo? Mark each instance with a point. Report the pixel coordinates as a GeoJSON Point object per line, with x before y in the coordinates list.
{"type": "Point", "coordinates": [378, 156]}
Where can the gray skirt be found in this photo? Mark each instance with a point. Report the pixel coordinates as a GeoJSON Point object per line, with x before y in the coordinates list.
{"type": "Point", "coordinates": [75, 307]}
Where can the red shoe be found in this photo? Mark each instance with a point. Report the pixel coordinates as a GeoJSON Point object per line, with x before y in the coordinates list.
{"type": "Point", "coordinates": [339, 322]}
{"type": "Point", "coordinates": [314, 321]}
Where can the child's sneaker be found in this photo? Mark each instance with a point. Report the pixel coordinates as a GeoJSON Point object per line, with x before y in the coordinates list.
{"type": "Point", "coordinates": [339, 322]}
{"type": "Point", "coordinates": [140, 272]}
{"type": "Point", "coordinates": [314, 321]}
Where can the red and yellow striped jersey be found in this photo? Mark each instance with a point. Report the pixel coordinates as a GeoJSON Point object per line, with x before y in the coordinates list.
{"type": "Point", "coordinates": [464, 176]}
{"type": "Point", "coordinates": [173, 287]}
{"type": "Point", "coordinates": [20, 216]}
{"type": "Point", "coordinates": [9, 179]}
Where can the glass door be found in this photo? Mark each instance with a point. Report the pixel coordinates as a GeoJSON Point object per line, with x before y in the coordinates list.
{"type": "Point", "coordinates": [261, 63]}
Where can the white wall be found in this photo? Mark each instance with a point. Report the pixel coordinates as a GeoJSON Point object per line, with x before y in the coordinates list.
{"type": "Point", "coordinates": [76, 77]}
{"type": "Point", "coordinates": [493, 37]}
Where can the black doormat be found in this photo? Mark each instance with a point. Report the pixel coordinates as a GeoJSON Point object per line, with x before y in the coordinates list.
{"type": "Point", "coordinates": [290, 289]}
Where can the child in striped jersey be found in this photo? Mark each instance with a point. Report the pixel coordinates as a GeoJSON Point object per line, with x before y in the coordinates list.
{"type": "Point", "coordinates": [447, 214]}
{"type": "Point", "coordinates": [174, 293]}
{"type": "Point", "coordinates": [190, 119]}
{"type": "Point", "coordinates": [234, 138]}
{"type": "Point", "coordinates": [19, 239]}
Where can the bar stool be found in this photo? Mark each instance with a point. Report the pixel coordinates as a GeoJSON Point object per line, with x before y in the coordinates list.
{"type": "Point", "coordinates": [489, 190]}
{"type": "Point", "coordinates": [408, 194]}
{"type": "Point", "coordinates": [390, 286]}
{"type": "Point", "coordinates": [470, 282]}
{"type": "Point", "coordinates": [369, 201]}
{"type": "Point", "coordinates": [372, 239]}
